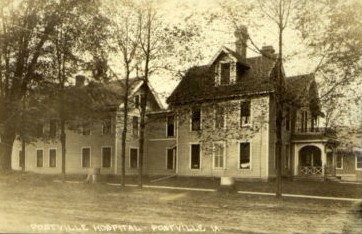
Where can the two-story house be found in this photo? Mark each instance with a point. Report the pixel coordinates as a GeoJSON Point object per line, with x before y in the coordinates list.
{"type": "Point", "coordinates": [95, 143]}
{"type": "Point", "coordinates": [220, 122]}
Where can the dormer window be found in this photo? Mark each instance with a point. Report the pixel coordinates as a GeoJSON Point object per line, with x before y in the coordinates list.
{"type": "Point", "coordinates": [225, 73]}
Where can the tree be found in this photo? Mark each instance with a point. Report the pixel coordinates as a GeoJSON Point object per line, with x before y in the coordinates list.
{"type": "Point", "coordinates": [126, 24]}
{"type": "Point", "coordinates": [42, 48]}
{"type": "Point", "coordinates": [158, 40]}
{"type": "Point", "coordinates": [26, 27]}
{"type": "Point", "coordinates": [332, 32]}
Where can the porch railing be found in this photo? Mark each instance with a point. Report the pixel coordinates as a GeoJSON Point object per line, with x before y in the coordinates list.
{"type": "Point", "coordinates": [309, 170]}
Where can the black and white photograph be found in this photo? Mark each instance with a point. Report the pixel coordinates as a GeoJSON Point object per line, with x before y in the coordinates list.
{"type": "Point", "coordinates": [180, 116]}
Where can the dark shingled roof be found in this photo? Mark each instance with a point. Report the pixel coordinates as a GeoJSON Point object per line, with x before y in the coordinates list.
{"type": "Point", "coordinates": [198, 82]}
{"type": "Point", "coordinates": [299, 84]}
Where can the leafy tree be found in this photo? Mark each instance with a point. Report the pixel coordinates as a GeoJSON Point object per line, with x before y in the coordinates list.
{"type": "Point", "coordinates": [43, 44]}
{"type": "Point", "coordinates": [126, 25]}
{"type": "Point", "coordinates": [332, 32]}
{"type": "Point", "coordinates": [26, 27]}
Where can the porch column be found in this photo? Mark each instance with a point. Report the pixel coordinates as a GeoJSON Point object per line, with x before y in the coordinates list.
{"type": "Point", "coordinates": [324, 160]}
{"type": "Point", "coordinates": [296, 160]}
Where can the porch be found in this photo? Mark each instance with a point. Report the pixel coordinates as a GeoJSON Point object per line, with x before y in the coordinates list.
{"type": "Point", "coordinates": [314, 161]}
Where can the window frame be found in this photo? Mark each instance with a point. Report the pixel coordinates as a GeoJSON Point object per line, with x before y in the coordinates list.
{"type": "Point", "coordinates": [138, 158]}
{"type": "Point", "coordinates": [341, 167]}
{"type": "Point", "coordinates": [223, 63]}
{"type": "Point", "coordinates": [167, 126]}
{"type": "Point", "coordinates": [110, 155]}
{"type": "Point", "coordinates": [110, 121]}
{"type": "Point", "coordinates": [248, 124]}
{"type": "Point", "coordinates": [90, 156]}
{"type": "Point", "coordinates": [250, 156]}
{"type": "Point", "coordinates": [190, 155]}
{"type": "Point", "coordinates": [192, 119]}
{"type": "Point", "coordinates": [173, 158]}
{"type": "Point", "coordinates": [135, 133]}
{"type": "Point", "coordinates": [36, 157]}
{"type": "Point", "coordinates": [223, 155]}
{"type": "Point", "coordinates": [55, 157]}
{"type": "Point", "coordinates": [224, 116]}
{"type": "Point", "coordinates": [358, 155]}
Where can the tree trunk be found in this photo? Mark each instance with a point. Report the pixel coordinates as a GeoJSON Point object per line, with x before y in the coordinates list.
{"type": "Point", "coordinates": [142, 136]}
{"type": "Point", "coordinates": [6, 147]}
{"type": "Point", "coordinates": [278, 150]}
{"type": "Point", "coordinates": [63, 141]}
{"type": "Point", "coordinates": [22, 155]}
{"type": "Point", "coordinates": [279, 108]}
{"type": "Point", "coordinates": [124, 131]}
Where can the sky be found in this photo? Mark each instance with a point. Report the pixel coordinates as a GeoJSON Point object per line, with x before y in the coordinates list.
{"type": "Point", "coordinates": [220, 34]}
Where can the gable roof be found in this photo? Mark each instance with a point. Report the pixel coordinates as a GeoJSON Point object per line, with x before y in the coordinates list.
{"type": "Point", "coordinates": [300, 83]}
{"type": "Point", "coordinates": [304, 89]}
{"type": "Point", "coordinates": [232, 53]}
{"type": "Point", "coordinates": [198, 83]}
{"type": "Point", "coordinates": [111, 94]}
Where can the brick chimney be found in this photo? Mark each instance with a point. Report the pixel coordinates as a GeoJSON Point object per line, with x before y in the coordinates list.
{"type": "Point", "coordinates": [268, 51]}
{"type": "Point", "coordinates": [242, 36]}
{"type": "Point", "coordinates": [79, 80]}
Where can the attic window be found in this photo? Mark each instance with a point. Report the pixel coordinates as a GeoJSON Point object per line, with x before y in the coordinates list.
{"type": "Point", "coordinates": [225, 73]}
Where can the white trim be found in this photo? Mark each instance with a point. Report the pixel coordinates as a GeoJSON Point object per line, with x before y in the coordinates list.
{"type": "Point", "coordinates": [56, 156]}
{"type": "Point", "coordinates": [190, 154]}
{"type": "Point", "coordinates": [222, 49]}
{"type": "Point", "coordinates": [81, 156]}
{"type": "Point", "coordinates": [173, 157]}
{"type": "Point", "coordinates": [339, 168]}
{"type": "Point", "coordinates": [250, 156]}
{"type": "Point", "coordinates": [36, 157]}
{"type": "Point", "coordinates": [103, 147]}
{"type": "Point", "coordinates": [129, 157]}
{"type": "Point", "coordinates": [356, 156]}
{"type": "Point", "coordinates": [223, 143]}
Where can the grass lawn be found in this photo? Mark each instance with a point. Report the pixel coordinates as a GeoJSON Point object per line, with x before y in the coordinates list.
{"type": "Point", "coordinates": [34, 203]}
{"type": "Point", "coordinates": [315, 188]}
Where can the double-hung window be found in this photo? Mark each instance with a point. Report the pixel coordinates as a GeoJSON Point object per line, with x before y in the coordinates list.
{"type": "Point", "coordinates": [86, 158]}
{"type": "Point", "coordinates": [359, 160]}
{"type": "Point", "coordinates": [196, 119]}
{"type": "Point", "coordinates": [106, 157]}
{"type": "Point", "coordinates": [219, 155]}
{"type": "Point", "coordinates": [52, 158]}
{"type": "Point", "coordinates": [39, 158]}
{"type": "Point", "coordinates": [170, 126]}
{"type": "Point", "coordinates": [244, 155]}
{"type": "Point", "coordinates": [195, 156]}
{"type": "Point", "coordinates": [219, 117]}
{"type": "Point", "coordinates": [245, 113]}
{"type": "Point", "coordinates": [225, 73]}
